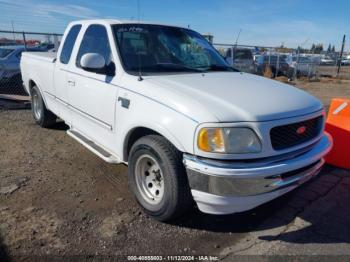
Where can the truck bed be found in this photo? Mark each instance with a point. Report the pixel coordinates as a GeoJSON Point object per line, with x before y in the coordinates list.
{"type": "Point", "coordinates": [45, 56]}
{"type": "Point", "coordinates": [39, 66]}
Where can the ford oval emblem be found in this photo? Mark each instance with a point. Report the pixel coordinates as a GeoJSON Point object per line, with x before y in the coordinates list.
{"type": "Point", "coordinates": [301, 130]}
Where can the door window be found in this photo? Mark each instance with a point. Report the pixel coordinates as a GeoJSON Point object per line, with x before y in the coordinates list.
{"type": "Point", "coordinates": [95, 41]}
{"type": "Point", "coordinates": [69, 44]}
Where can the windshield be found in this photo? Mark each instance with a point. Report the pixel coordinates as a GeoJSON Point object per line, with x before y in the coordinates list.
{"type": "Point", "coordinates": [240, 54]}
{"type": "Point", "coordinates": [156, 48]}
{"type": "Point", "coordinates": [5, 52]}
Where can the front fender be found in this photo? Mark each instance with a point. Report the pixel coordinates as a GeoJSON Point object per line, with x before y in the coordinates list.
{"type": "Point", "coordinates": [150, 114]}
{"type": "Point", "coordinates": [157, 129]}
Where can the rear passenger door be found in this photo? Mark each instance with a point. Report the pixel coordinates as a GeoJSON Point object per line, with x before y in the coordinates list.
{"type": "Point", "coordinates": [92, 96]}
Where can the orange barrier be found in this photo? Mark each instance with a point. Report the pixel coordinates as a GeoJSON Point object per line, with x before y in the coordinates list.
{"type": "Point", "coordinates": [338, 125]}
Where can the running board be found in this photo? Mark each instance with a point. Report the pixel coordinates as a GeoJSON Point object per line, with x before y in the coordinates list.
{"type": "Point", "coordinates": [97, 150]}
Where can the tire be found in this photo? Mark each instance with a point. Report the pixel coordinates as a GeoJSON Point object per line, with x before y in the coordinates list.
{"type": "Point", "coordinates": [156, 165]}
{"type": "Point", "coordinates": [42, 116]}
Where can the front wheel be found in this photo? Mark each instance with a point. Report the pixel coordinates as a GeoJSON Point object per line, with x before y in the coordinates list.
{"type": "Point", "coordinates": [158, 178]}
{"type": "Point", "coordinates": [41, 114]}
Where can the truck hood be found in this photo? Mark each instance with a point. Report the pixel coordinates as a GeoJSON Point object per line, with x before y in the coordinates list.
{"type": "Point", "coordinates": [234, 97]}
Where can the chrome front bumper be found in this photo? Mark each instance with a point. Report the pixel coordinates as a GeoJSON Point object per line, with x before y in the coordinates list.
{"type": "Point", "coordinates": [219, 187]}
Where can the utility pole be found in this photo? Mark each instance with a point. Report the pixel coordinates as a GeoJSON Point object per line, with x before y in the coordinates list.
{"type": "Point", "coordinates": [239, 33]}
{"type": "Point", "coordinates": [24, 40]}
{"type": "Point", "coordinates": [340, 56]}
{"type": "Point", "coordinates": [13, 32]}
{"type": "Point", "coordinates": [235, 46]}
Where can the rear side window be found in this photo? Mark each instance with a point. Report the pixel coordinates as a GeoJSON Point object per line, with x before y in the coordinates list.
{"type": "Point", "coordinates": [69, 44]}
{"type": "Point", "coordinates": [242, 54]}
{"type": "Point", "coordinates": [95, 40]}
{"type": "Point", "coordinates": [5, 52]}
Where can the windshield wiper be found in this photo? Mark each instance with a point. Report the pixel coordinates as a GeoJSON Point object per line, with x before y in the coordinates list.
{"type": "Point", "coordinates": [177, 66]}
{"type": "Point", "coordinates": [167, 67]}
{"type": "Point", "coordinates": [220, 68]}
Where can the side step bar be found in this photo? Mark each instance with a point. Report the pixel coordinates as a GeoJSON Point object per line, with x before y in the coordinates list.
{"type": "Point", "coordinates": [96, 149]}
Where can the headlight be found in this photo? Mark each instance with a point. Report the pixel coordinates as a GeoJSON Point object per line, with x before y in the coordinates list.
{"type": "Point", "coordinates": [235, 140]}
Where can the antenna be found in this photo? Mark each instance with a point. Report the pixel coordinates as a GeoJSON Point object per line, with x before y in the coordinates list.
{"type": "Point", "coordinates": [138, 53]}
{"type": "Point", "coordinates": [239, 33]}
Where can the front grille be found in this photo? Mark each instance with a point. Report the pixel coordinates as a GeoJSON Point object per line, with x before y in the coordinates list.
{"type": "Point", "coordinates": [286, 136]}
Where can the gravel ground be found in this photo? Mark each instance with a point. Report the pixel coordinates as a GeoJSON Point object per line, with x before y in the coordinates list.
{"type": "Point", "coordinates": [314, 222]}
{"type": "Point", "coordinates": [344, 72]}
{"type": "Point", "coordinates": [57, 198]}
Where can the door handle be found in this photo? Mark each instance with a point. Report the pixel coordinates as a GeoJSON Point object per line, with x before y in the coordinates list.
{"type": "Point", "coordinates": [71, 83]}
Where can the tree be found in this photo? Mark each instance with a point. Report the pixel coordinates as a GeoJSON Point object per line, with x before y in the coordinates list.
{"type": "Point", "coordinates": [329, 49]}
{"type": "Point", "coordinates": [302, 50]}
{"type": "Point", "coordinates": [313, 47]}
{"type": "Point", "coordinates": [317, 48]}
{"type": "Point", "coordinates": [333, 49]}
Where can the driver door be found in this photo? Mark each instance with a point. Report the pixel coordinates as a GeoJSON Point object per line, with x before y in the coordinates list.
{"type": "Point", "coordinates": [92, 96]}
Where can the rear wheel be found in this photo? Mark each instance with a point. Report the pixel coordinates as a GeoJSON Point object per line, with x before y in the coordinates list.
{"type": "Point", "coordinates": [158, 178]}
{"type": "Point", "coordinates": [41, 114]}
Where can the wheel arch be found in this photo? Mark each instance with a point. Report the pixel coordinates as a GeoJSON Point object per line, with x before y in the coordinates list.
{"type": "Point", "coordinates": [31, 84]}
{"type": "Point", "coordinates": [140, 131]}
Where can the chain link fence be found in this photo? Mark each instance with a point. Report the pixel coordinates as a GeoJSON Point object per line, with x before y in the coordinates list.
{"type": "Point", "coordinates": [12, 45]}
{"type": "Point", "coordinates": [291, 63]}
{"type": "Point", "coordinates": [270, 62]}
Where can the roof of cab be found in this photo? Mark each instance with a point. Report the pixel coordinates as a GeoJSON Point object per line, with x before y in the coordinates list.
{"type": "Point", "coordinates": [115, 21]}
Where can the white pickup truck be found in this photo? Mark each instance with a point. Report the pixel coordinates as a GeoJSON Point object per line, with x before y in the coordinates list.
{"type": "Point", "coordinates": [162, 100]}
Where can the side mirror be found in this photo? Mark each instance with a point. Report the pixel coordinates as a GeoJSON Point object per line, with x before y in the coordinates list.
{"type": "Point", "coordinates": [93, 62]}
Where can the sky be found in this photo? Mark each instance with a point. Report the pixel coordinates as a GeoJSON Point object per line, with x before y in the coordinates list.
{"type": "Point", "coordinates": [262, 22]}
